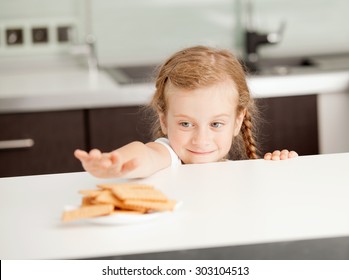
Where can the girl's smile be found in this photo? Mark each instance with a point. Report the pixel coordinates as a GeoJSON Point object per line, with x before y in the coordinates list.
{"type": "Point", "coordinates": [201, 153]}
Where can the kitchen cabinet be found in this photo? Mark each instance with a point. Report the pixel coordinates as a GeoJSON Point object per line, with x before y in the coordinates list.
{"type": "Point", "coordinates": [289, 123]}
{"type": "Point", "coordinates": [111, 128]}
{"type": "Point", "coordinates": [50, 139]}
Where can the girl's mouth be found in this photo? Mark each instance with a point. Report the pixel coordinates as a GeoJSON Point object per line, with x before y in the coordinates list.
{"type": "Point", "coordinates": [201, 153]}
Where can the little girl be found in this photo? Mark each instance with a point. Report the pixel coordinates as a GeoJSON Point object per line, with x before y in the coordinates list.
{"type": "Point", "coordinates": [204, 114]}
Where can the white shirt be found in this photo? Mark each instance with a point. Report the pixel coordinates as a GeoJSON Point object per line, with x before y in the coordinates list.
{"type": "Point", "coordinates": [174, 158]}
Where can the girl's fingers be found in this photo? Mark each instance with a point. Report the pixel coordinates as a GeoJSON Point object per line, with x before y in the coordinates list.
{"type": "Point", "coordinates": [129, 166]}
{"type": "Point", "coordinates": [81, 155]}
{"type": "Point", "coordinates": [105, 165]}
{"type": "Point", "coordinates": [115, 157]}
{"type": "Point", "coordinates": [284, 154]}
{"type": "Point", "coordinates": [95, 154]}
{"type": "Point", "coordinates": [276, 155]}
{"type": "Point", "coordinates": [105, 162]}
{"type": "Point", "coordinates": [292, 154]}
{"type": "Point", "coordinates": [117, 161]}
{"type": "Point", "coordinates": [267, 156]}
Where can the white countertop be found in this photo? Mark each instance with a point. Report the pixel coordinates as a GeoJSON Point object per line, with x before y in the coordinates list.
{"type": "Point", "coordinates": [224, 204]}
{"type": "Point", "coordinates": [62, 84]}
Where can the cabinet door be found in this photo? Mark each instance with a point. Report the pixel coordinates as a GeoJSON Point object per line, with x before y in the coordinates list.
{"type": "Point", "coordinates": [111, 128]}
{"type": "Point", "coordinates": [289, 123]}
{"type": "Point", "coordinates": [54, 136]}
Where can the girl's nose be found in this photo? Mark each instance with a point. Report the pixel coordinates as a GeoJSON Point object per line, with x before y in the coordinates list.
{"type": "Point", "coordinates": [201, 137]}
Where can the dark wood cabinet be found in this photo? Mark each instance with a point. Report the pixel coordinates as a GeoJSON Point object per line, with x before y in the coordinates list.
{"type": "Point", "coordinates": [54, 136]}
{"type": "Point", "coordinates": [289, 123]}
{"type": "Point", "coordinates": [111, 128]}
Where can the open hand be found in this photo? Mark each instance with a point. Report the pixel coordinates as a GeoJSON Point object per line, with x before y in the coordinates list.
{"type": "Point", "coordinates": [277, 155]}
{"type": "Point", "coordinates": [105, 165]}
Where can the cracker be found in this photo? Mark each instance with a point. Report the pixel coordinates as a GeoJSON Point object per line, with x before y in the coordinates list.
{"type": "Point", "coordinates": [87, 212]}
{"type": "Point", "coordinates": [87, 200]}
{"type": "Point", "coordinates": [125, 198]}
{"type": "Point", "coordinates": [168, 205]}
{"type": "Point", "coordinates": [138, 194]}
{"type": "Point", "coordinates": [110, 186]}
{"type": "Point", "coordinates": [131, 212]}
{"type": "Point", "coordinates": [106, 197]}
{"type": "Point", "coordinates": [137, 208]}
{"type": "Point", "coordinates": [91, 193]}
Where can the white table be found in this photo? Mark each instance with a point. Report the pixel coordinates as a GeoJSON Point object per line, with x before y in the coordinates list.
{"type": "Point", "coordinates": [224, 204]}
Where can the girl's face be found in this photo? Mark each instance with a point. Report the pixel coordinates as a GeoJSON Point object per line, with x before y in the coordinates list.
{"type": "Point", "coordinates": [200, 124]}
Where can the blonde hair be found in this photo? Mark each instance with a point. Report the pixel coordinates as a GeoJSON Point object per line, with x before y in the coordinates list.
{"type": "Point", "coordinates": [198, 67]}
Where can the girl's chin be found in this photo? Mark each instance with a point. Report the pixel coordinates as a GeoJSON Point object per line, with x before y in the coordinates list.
{"type": "Point", "coordinates": [199, 161]}
{"type": "Point", "coordinates": [192, 158]}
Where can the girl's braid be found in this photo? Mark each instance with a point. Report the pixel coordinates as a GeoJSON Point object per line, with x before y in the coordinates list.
{"type": "Point", "coordinates": [247, 135]}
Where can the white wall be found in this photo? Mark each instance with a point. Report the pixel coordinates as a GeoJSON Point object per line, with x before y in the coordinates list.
{"type": "Point", "coordinates": [27, 14]}
{"type": "Point", "coordinates": [333, 119]}
{"type": "Point", "coordinates": [312, 26]}
{"type": "Point", "coordinates": [20, 9]}
{"type": "Point", "coordinates": [139, 31]}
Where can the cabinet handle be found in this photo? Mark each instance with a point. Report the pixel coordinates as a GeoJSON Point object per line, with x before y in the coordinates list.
{"type": "Point", "coordinates": [16, 144]}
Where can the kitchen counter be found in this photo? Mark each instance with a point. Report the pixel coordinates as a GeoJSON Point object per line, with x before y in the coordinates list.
{"type": "Point", "coordinates": [227, 207]}
{"type": "Point", "coordinates": [42, 84]}
{"type": "Point", "coordinates": [61, 83]}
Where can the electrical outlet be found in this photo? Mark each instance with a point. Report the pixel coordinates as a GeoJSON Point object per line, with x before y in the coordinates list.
{"type": "Point", "coordinates": [63, 34]}
{"type": "Point", "coordinates": [39, 35]}
{"type": "Point", "coordinates": [14, 36]}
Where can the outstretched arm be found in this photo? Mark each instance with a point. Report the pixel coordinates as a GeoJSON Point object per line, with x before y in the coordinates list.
{"type": "Point", "coordinates": [277, 155]}
{"type": "Point", "coordinates": [133, 160]}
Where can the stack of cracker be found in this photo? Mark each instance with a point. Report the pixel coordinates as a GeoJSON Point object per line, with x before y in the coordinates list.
{"type": "Point", "coordinates": [125, 198]}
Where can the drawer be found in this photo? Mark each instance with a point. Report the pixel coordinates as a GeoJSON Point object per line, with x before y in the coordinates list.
{"type": "Point", "coordinates": [111, 128]}
{"type": "Point", "coordinates": [40, 143]}
{"type": "Point", "coordinates": [289, 123]}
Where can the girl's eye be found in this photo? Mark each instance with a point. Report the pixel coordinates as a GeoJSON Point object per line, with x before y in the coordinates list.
{"type": "Point", "coordinates": [216, 124]}
{"type": "Point", "coordinates": [186, 124]}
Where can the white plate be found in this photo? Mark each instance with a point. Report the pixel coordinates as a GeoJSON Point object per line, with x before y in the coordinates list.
{"type": "Point", "coordinates": [123, 219]}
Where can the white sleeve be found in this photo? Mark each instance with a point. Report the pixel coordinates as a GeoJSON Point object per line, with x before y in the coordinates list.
{"type": "Point", "coordinates": [174, 158]}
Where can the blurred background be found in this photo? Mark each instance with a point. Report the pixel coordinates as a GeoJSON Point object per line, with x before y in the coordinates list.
{"type": "Point", "coordinates": [138, 31]}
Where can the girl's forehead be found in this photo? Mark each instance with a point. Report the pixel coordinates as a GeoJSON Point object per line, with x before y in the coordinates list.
{"type": "Point", "coordinates": [221, 98]}
{"type": "Point", "coordinates": [225, 91]}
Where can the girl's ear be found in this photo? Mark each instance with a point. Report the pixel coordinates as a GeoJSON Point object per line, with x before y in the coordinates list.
{"type": "Point", "coordinates": [238, 122]}
{"type": "Point", "coordinates": [163, 122]}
